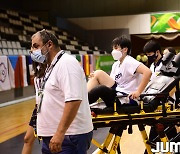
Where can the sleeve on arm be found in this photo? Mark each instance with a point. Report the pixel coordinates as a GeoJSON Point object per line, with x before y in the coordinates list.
{"type": "Point", "coordinates": [132, 67]}
{"type": "Point", "coordinates": [71, 80]}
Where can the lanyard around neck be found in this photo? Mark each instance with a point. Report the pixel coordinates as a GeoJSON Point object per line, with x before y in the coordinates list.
{"type": "Point", "coordinates": [46, 78]}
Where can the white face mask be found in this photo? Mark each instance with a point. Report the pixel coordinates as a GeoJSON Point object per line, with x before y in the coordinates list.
{"type": "Point", "coordinates": [116, 54]}
{"type": "Point", "coordinates": [37, 56]}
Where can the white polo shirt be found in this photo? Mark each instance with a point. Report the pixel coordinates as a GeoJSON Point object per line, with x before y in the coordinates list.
{"type": "Point", "coordinates": [67, 82]}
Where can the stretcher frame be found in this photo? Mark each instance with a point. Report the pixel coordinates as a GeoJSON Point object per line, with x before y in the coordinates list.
{"type": "Point", "coordinates": [119, 122]}
{"type": "Point", "coordinates": [166, 113]}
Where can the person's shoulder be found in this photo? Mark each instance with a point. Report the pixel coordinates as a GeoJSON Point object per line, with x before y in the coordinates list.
{"type": "Point", "coordinates": [68, 57]}
{"type": "Point", "coordinates": [116, 63]}
{"type": "Point", "coordinates": [68, 60]}
{"type": "Point", "coordinates": [130, 59]}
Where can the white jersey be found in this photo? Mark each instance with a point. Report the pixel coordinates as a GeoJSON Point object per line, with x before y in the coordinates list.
{"type": "Point", "coordinates": [37, 83]}
{"type": "Point", "coordinates": [67, 82]}
{"type": "Point", "coordinates": [125, 75]}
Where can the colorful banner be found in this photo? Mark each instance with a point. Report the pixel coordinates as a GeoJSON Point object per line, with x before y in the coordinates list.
{"type": "Point", "coordinates": [165, 22]}
{"type": "Point", "coordinates": [104, 63]}
{"type": "Point", "coordinates": [93, 62]}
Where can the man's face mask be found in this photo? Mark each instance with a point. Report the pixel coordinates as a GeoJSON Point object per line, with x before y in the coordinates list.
{"type": "Point", "coordinates": [116, 54]}
{"type": "Point", "coordinates": [37, 55]}
{"type": "Point", "coordinates": [152, 58]}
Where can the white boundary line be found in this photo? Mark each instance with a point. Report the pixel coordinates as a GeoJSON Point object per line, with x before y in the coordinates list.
{"type": "Point", "coordinates": [16, 101]}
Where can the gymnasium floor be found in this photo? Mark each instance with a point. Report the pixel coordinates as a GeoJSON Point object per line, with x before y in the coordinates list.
{"type": "Point", "coordinates": [14, 121]}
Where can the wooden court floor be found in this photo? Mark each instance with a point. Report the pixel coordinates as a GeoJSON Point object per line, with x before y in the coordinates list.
{"type": "Point", "coordinates": [14, 120]}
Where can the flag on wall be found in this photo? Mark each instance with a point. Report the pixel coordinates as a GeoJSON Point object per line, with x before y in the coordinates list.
{"type": "Point", "coordinates": [86, 65]}
{"type": "Point", "coordinates": [17, 71]}
{"type": "Point", "coordinates": [30, 72]}
{"type": "Point", "coordinates": [4, 76]}
{"type": "Point", "coordinates": [23, 71]}
{"type": "Point", "coordinates": [91, 63]}
{"type": "Point", "coordinates": [12, 60]}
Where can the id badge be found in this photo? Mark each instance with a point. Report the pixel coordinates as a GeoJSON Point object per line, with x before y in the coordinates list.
{"type": "Point", "coordinates": [39, 101]}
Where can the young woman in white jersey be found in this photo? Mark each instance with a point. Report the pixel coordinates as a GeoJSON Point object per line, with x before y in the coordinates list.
{"type": "Point", "coordinates": [29, 138]}
{"type": "Point", "coordinates": [128, 76]}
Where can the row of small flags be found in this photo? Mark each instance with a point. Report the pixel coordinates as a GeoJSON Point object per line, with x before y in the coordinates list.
{"type": "Point", "coordinates": [88, 62]}
{"type": "Point", "coordinates": [16, 71]}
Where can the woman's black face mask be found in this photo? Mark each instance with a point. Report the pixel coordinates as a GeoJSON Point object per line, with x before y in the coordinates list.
{"type": "Point", "coordinates": [151, 59]}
